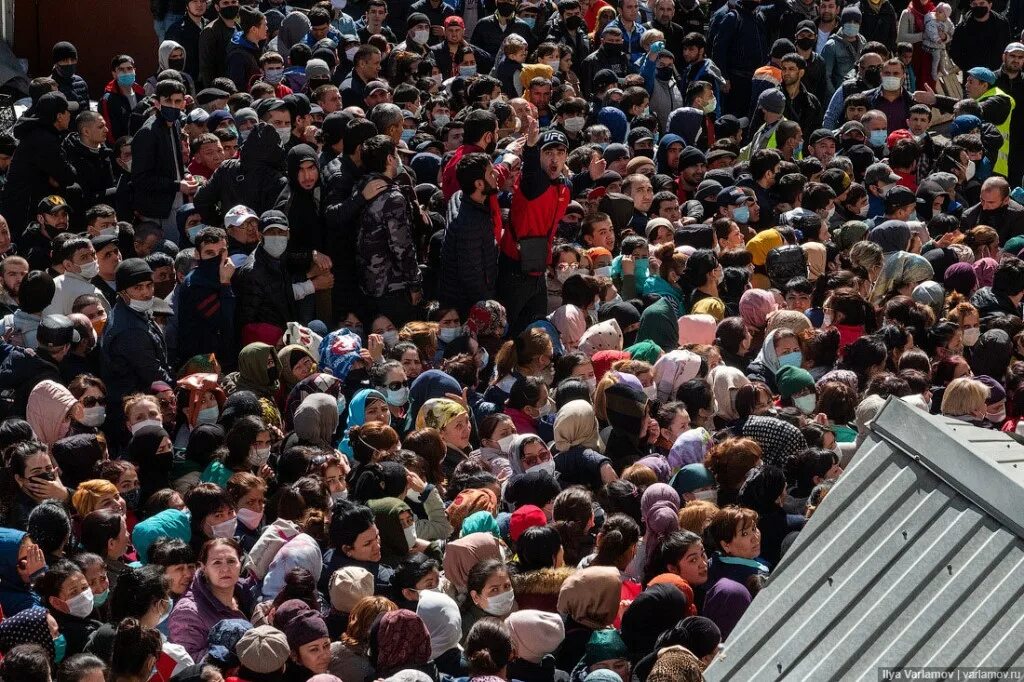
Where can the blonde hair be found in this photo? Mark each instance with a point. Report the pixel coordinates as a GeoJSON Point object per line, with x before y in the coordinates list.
{"type": "Point", "coordinates": [600, 404]}
{"type": "Point", "coordinates": [963, 397]}
{"type": "Point", "coordinates": [89, 494]}
{"type": "Point", "coordinates": [696, 515]}
{"type": "Point", "coordinates": [366, 610]}
{"type": "Point", "coordinates": [639, 475]}
{"type": "Point", "coordinates": [131, 401]}
{"type": "Point", "coordinates": [523, 350]}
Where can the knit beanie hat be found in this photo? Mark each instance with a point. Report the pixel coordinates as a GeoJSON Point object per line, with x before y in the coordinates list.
{"type": "Point", "coordinates": [527, 516]}
{"type": "Point", "coordinates": [602, 675]}
{"type": "Point", "coordinates": [222, 639]}
{"type": "Point", "coordinates": [49, 525]}
{"type": "Point", "coordinates": [263, 650]}
{"type": "Point", "coordinates": [349, 585]}
{"type": "Point", "coordinates": [303, 627]}
{"type": "Point", "coordinates": [64, 50]}
{"type": "Point", "coordinates": [791, 380]}
{"type": "Point", "coordinates": [132, 271]}
{"type": "Point", "coordinates": [535, 634]}
{"type": "Point", "coordinates": [604, 645]}
{"type": "Point", "coordinates": [704, 637]}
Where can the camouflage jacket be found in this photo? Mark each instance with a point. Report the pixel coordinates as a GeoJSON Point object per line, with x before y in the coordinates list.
{"type": "Point", "coordinates": [386, 249]}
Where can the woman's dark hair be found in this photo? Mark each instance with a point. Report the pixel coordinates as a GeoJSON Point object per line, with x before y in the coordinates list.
{"type": "Point", "coordinates": [458, 346]}
{"type": "Point", "coordinates": [940, 334]}
{"type": "Point", "coordinates": [26, 663]}
{"type": "Point", "coordinates": [14, 430]}
{"type": "Point", "coordinates": [481, 571]}
{"type": "Point", "coordinates": [210, 545]}
{"type": "Point", "coordinates": [820, 346]}
{"type": "Point", "coordinates": [918, 382]}
{"type": "Point", "coordinates": [566, 364]}
{"type": "Point", "coordinates": [887, 384]}
{"type": "Point", "coordinates": [945, 369]}
{"type": "Point", "coordinates": [76, 667]}
{"type": "Point", "coordinates": [294, 463]}
{"type": "Point", "coordinates": [762, 488]}
{"type": "Point", "coordinates": [916, 359]}
{"type": "Point", "coordinates": [525, 392]}
{"type": "Point", "coordinates": [411, 570]}
{"type": "Point", "coordinates": [134, 644]}
{"type": "Point", "coordinates": [136, 592]}
{"type": "Point", "coordinates": [537, 548]}
{"type": "Point", "coordinates": [17, 455]}
{"type": "Point", "coordinates": [838, 401]}
{"type": "Point", "coordinates": [170, 552]}
{"type": "Point", "coordinates": [697, 634]}
{"type": "Point", "coordinates": [895, 338]}
{"type": "Point", "coordinates": [855, 310]}
{"type": "Point", "coordinates": [429, 445]}
{"type": "Point", "coordinates": [618, 534]}
{"type": "Point", "coordinates": [348, 522]}
{"type": "Point", "coordinates": [621, 497]}
{"type": "Point", "coordinates": [315, 492]}
{"type": "Point", "coordinates": [49, 584]}
{"type": "Point", "coordinates": [915, 316]}
{"type": "Point", "coordinates": [99, 528]}
{"type": "Point", "coordinates": [203, 500]}
{"type": "Point", "coordinates": [469, 480]}
{"type": "Point", "coordinates": [239, 440]}
{"type": "Point", "coordinates": [746, 398]}
{"type": "Point", "coordinates": [861, 355]}
{"type": "Point", "coordinates": [802, 467]}
{"type": "Point", "coordinates": [580, 290]}
{"type": "Point", "coordinates": [571, 389]}
{"type": "Point", "coordinates": [730, 334]}
{"type": "Point", "coordinates": [299, 584]}
{"type": "Point", "coordinates": [488, 647]}
{"type": "Point", "coordinates": [669, 552]}
{"type": "Point", "coordinates": [573, 511]}
{"type": "Point", "coordinates": [158, 502]}
{"type": "Point", "coordinates": [696, 394]}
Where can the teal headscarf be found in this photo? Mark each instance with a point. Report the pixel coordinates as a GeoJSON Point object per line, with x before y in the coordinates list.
{"type": "Point", "coordinates": [357, 415]}
{"type": "Point", "coordinates": [480, 522]}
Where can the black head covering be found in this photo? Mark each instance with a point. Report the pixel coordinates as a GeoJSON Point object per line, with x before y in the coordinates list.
{"type": "Point", "coordinates": [377, 480]}
{"type": "Point", "coordinates": [534, 487]}
{"type": "Point", "coordinates": [76, 456]}
{"type": "Point", "coordinates": [625, 314]}
{"type": "Point", "coordinates": [154, 472]}
{"type": "Point", "coordinates": [296, 156]}
{"type": "Point", "coordinates": [239, 404]}
{"type": "Point", "coordinates": [991, 355]}
{"type": "Point", "coordinates": [941, 259]}
{"type": "Point", "coordinates": [654, 611]}
{"type": "Point", "coordinates": [204, 440]}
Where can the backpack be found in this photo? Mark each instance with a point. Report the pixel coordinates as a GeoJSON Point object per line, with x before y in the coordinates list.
{"type": "Point", "coordinates": [784, 263]}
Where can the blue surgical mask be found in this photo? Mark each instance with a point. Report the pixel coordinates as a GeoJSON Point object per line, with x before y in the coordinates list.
{"type": "Point", "coordinates": [467, 71]}
{"type": "Point", "coordinates": [126, 80]}
{"type": "Point", "coordinates": [407, 134]}
{"type": "Point", "coordinates": [640, 269]}
{"type": "Point", "coordinates": [851, 29]}
{"type": "Point", "coordinates": [101, 598]}
{"type": "Point", "coordinates": [485, 357]}
{"type": "Point", "coordinates": [208, 416]}
{"type": "Point", "coordinates": [193, 232]}
{"type": "Point", "coordinates": [792, 359]}
{"type": "Point", "coordinates": [449, 334]}
{"type": "Point", "coordinates": [877, 137]}
{"type": "Point", "coordinates": [741, 215]}
{"type": "Point", "coordinates": [60, 648]}
{"type": "Point", "coordinates": [529, 21]}
{"type": "Point", "coordinates": [798, 150]}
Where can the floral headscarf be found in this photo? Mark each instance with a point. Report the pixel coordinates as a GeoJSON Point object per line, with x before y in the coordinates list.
{"type": "Point", "coordinates": [602, 336]}
{"type": "Point", "coordinates": [487, 318]}
{"type": "Point", "coordinates": [197, 385]}
{"type": "Point", "coordinates": [437, 413]}
{"type": "Point", "coordinates": [314, 383]}
{"type": "Point", "coordinates": [339, 351]}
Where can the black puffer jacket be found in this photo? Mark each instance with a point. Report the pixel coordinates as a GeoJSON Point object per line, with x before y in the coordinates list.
{"type": "Point", "coordinates": [75, 89]}
{"type": "Point", "coordinates": [469, 254]}
{"type": "Point", "coordinates": [254, 180]}
{"type": "Point", "coordinates": [157, 167]}
{"type": "Point", "coordinates": [263, 289]}
{"type": "Point", "coordinates": [37, 160]}
{"type": "Point", "coordinates": [95, 174]}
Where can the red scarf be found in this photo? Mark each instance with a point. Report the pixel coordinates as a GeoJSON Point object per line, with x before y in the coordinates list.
{"type": "Point", "coordinates": [918, 10]}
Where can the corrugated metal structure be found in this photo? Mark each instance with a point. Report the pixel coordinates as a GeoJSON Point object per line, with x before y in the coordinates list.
{"type": "Point", "coordinates": [915, 558]}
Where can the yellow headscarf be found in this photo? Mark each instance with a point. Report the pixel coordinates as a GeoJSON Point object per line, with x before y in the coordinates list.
{"type": "Point", "coordinates": [437, 413]}
{"type": "Point", "coordinates": [763, 242]}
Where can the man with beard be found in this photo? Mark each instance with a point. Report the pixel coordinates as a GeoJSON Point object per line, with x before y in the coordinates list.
{"type": "Point", "coordinates": [692, 166]}
{"type": "Point", "coordinates": [996, 209]}
{"type": "Point", "coordinates": [469, 250]}
{"type": "Point", "coordinates": [664, 13]}
{"type": "Point", "coordinates": [869, 75]}
{"type": "Point", "coordinates": [828, 22]}
{"type": "Point", "coordinates": [1008, 79]}
{"type": "Point", "coordinates": [480, 134]}
{"type": "Point", "coordinates": [51, 220]}
{"type": "Point", "coordinates": [801, 106]}
{"type": "Point", "coordinates": [12, 270]}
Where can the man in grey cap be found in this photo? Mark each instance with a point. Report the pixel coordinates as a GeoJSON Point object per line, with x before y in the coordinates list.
{"type": "Point", "coordinates": [770, 105]}
{"type": "Point", "coordinates": [22, 370]}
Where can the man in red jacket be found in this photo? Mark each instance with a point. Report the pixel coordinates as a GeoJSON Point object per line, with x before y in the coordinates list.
{"type": "Point", "coordinates": [539, 200]}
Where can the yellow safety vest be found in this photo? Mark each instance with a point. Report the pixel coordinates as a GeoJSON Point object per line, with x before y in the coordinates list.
{"type": "Point", "coordinates": [1002, 166]}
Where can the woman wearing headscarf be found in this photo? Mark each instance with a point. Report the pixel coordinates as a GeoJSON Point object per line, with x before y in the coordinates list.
{"type": "Point", "coordinates": [430, 384]}
{"type": "Point", "coordinates": [725, 381]}
{"type": "Point", "coordinates": [658, 503]}
{"type": "Point", "coordinates": [257, 371]}
{"type": "Point", "coordinates": [901, 271]}
{"type": "Point", "coordinates": [151, 452]}
{"type": "Point", "coordinates": [536, 635]}
{"type": "Point", "coordinates": [397, 527]}
{"type": "Point", "coordinates": [31, 626]}
{"type": "Point", "coordinates": [578, 458]}
{"type": "Point", "coordinates": [626, 314]}
{"type": "Point", "coordinates": [985, 269]}
{"type": "Point", "coordinates": [529, 452]}
{"type": "Point", "coordinates": [357, 414]}
{"type": "Point", "coordinates": [756, 306]}
{"type": "Point", "coordinates": [941, 259]}
{"type": "Point", "coordinates": [441, 615]}
{"type": "Point", "coordinates": [659, 324]}
{"type": "Point", "coordinates": [589, 601]}
{"type": "Point", "coordinates": [779, 440]}
{"type": "Point", "coordinates": [673, 369]}
{"type": "Point", "coordinates": [200, 401]}
{"type": "Point", "coordinates": [780, 347]}
{"type": "Point", "coordinates": [77, 455]}
{"type": "Point", "coordinates": [627, 410]}
{"type": "Point", "coordinates": [761, 492]}
{"type": "Point", "coordinates": [759, 245]}
{"type": "Point", "coordinates": [601, 336]}
{"type": "Point", "coordinates": [462, 554]}
{"type": "Point", "coordinates": [50, 410]}
{"type": "Point", "coordinates": [399, 641]}
{"type": "Point", "coordinates": [571, 323]}
{"type": "Point", "coordinates": [690, 448]}
{"type": "Point", "coordinates": [654, 611]}
{"type": "Point", "coordinates": [296, 363]}
{"type": "Point", "coordinates": [961, 278]}
{"type": "Point", "coordinates": [319, 382]}
{"type": "Point", "coordinates": [488, 322]}
{"type": "Point", "coordinates": [817, 259]}
{"type": "Point", "coordinates": [991, 355]}
{"type": "Point", "coordinates": [316, 421]}
{"type": "Point", "coordinates": [452, 420]}
{"type": "Point", "coordinates": [203, 443]}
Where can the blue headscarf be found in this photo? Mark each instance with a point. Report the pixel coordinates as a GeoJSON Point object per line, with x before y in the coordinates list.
{"type": "Point", "coordinates": [338, 350]}
{"type": "Point", "coordinates": [615, 121]}
{"type": "Point", "coordinates": [357, 415]}
{"type": "Point", "coordinates": [15, 595]}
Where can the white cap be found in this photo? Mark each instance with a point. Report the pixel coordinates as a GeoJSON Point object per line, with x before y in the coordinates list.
{"type": "Point", "coordinates": [1013, 47]}
{"type": "Point", "coordinates": [238, 215]}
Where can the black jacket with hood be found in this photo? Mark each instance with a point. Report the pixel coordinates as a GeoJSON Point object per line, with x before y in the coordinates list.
{"type": "Point", "coordinates": [38, 161]}
{"type": "Point", "coordinates": [95, 175]}
{"type": "Point", "coordinates": [255, 179]}
{"type": "Point", "coordinates": [304, 208]}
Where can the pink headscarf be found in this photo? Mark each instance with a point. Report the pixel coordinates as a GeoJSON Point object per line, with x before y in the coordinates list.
{"type": "Point", "coordinates": [672, 370]}
{"type": "Point", "coordinates": [48, 406]}
{"type": "Point", "coordinates": [985, 269]}
{"type": "Point", "coordinates": [697, 329]}
{"type": "Point", "coordinates": [570, 322]}
{"type": "Point", "coordinates": [755, 307]}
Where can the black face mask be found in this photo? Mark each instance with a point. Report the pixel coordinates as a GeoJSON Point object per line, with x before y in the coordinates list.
{"type": "Point", "coordinates": [806, 43]}
{"type": "Point", "coordinates": [575, 24]}
{"type": "Point", "coordinates": [229, 13]}
{"type": "Point", "coordinates": [873, 76]}
{"type": "Point", "coordinates": [272, 373]}
{"type": "Point", "coordinates": [979, 12]}
{"type": "Point", "coordinates": [356, 379]}
{"type": "Point", "coordinates": [648, 153]}
{"type": "Point", "coordinates": [663, 73]}
{"type": "Point", "coordinates": [612, 50]}
{"type": "Point", "coordinates": [65, 70]}
{"type": "Point", "coordinates": [176, 64]}
{"type": "Point", "coordinates": [506, 9]}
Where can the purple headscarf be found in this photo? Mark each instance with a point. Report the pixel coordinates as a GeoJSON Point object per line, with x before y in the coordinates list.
{"type": "Point", "coordinates": [658, 465]}
{"type": "Point", "coordinates": [690, 448]}
{"type": "Point", "coordinates": [960, 277]}
{"type": "Point", "coordinates": [985, 269]}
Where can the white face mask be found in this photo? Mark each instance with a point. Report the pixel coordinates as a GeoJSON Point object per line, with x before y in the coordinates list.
{"type": "Point", "coordinates": [971, 336]}
{"type": "Point", "coordinates": [249, 518]}
{"type": "Point", "coordinates": [141, 306]}
{"type": "Point", "coordinates": [398, 398]}
{"type": "Point", "coordinates": [500, 605]}
{"type": "Point", "coordinates": [81, 604]}
{"type": "Point", "coordinates": [224, 529]}
{"type": "Point", "coordinates": [547, 465]}
{"type": "Point", "coordinates": [144, 423]}
{"type": "Point", "coordinates": [709, 495]}
{"type": "Point", "coordinates": [505, 444]}
{"type": "Point", "coordinates": [420, 37]}
{"type": "Point", "coordinates": [275, 246]}
{"type": "Point", "coordinates": [390, 337]}
{"type": "Point", "coordinates": [259, 456]}
{"type": "Point", "coordinates": [410, 535]}
{"type": "Point", "coordinates": [284, 134]}
{"type": "Point", "coordinates": [339, 495]}
{"type": "Point", "coordinates": [94, 416]}
{"type": "Point", "coordinates": [90, 269]}
{"type": "Point", "coordinates": [441, 119]}
{"type": "Point", "coordinates": [563, 274]}
{"type": "Point", "coordinates": [350, 53]}
{"type": "Point", "coordinates": [969, 173]}
{"type": "Point", "coordinates": [826, 320]}
{"type": "Point", "coordinates": [651, 391]}
{"type": "Point", "coordinates": [574, 124]}
{"type": "Point", "coordinates": [805, 403]}
{"type": "Point", "coordinates": [996, 417]}
{"type": "Point", "coordinates": [553, 64]}
{"type": "Point", "coordinates": [547, 408]}
{"type": "Point", "coordinates": [208, 416]}
{"type": "Point", "coordinates": [449, 334]}
{"type": "Point", "coordinates": [605, 271]}
{"type": "Point", "coordinates": [592, 384]}
{"type": "Point", "coordinates": [711, 105]}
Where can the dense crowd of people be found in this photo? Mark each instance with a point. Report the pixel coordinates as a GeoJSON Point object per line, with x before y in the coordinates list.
{"type": "Point", "coordinates": [423, 342]}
